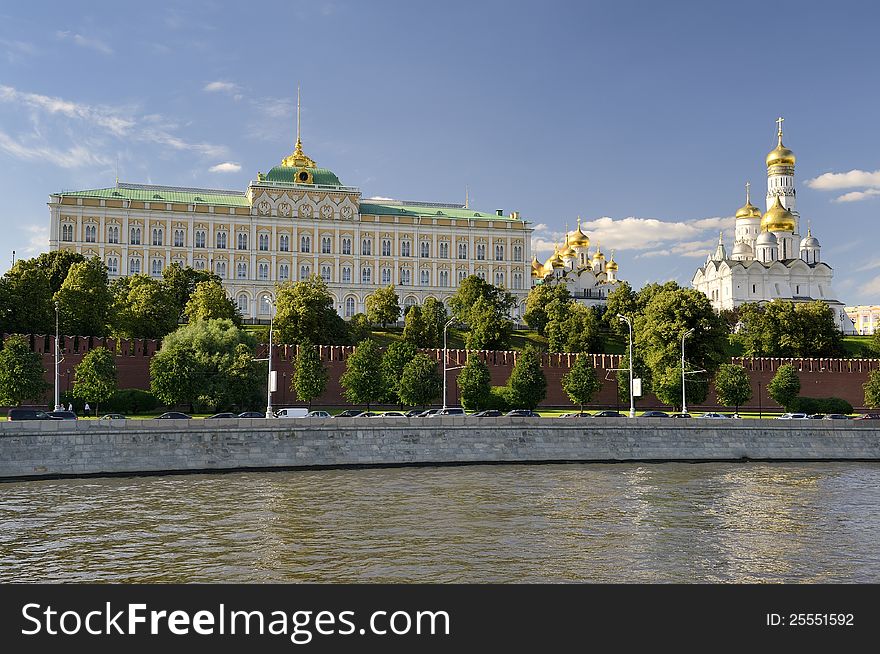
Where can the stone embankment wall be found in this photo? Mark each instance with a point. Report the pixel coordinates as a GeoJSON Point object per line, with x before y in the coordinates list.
{"type": "Point", "coordinates": [53, 448]}
{"type": "Point", "coordinates": [842, 378]}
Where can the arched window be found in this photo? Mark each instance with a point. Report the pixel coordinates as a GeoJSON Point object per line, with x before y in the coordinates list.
{"type": "Point", "coordinates": [113, 234]}
{"type": "Point", "coordinates": [444, 250]}
{"type": "Point", "coordinates": [200, 238]}
{"type": "Point", "coordinates": [517, 253]}
{"type": "Point", "coordinates": [349, 307]}
{"type": "Point", "coordinates": [220, 269]}
{"type": "Point", "coordinates": [499, 279]}
{"type": "Point", "coordinates": [305, 244]}
{"type": "Point", "coordinates": [444, 278]}
{"type": "Point", "coordinates": [405, 277]}
{"type": "Point", "coordinates": [409, 302]}
{"type": "Point", "coordinates": [346, 246]}
{"type": "Point", "coordinates": [326, 273]}
{"type": "Point", "coordinates": [425, 250]}
{"type": "Point", "coordinates": [481, 252]}
{"type": "Point", "coordinates": [284, 243]}
{"type": "Point", "coordinates": [156, 267]}
{"type": "Point", "coordinates": [386, 275]}
{"type": "Point", "coordinates": [326, 245]}
{"type": "Point", "coordinates": [517, 281]}
{"type": "Point", "coordinates": [264, 242]}
{"type": "Point", "coordinates": [263, 271]}
{"type": "Point", "coordinates": [66, 232]}
{"type": "Point", "coordinates": [178, 238]}
{"type": "Point", "coordinates": [243, 304]}
{"type": "Point", "coordinates": [405, 249]}
{"type": "Point", "coordinates": [462, 274]}
{"type": "Point", "coordinates": [135, 235]}
{"type": "Point", "coordinates": [499, 253]}
{"type": "Point", "coordinates": [366, 275]}
{"type": "Point", "coordinates": [304, 272]}
{"type": "Point", "coordinates": [112, 265]}
{"type": "Point", "coordinates": [386, 247]}
{"type": "Point", "coordinates": [134, 266]}
{"type": "Point", "coordinates": [366, 247]}
{"type": "Point", "coordinates": [481, 274]}
{"type": "Point", "coordinates": [462, 251]}
{"type": "Point", "coordinates": [157, 236]}
{"type": "Point", "coordinates": [199, 264]}
{"type": "Point", "coordinates": [425, 278]}
{"type": "Point", "coordinates": [221, 240]}
{"type": "Point", "coordinates": [284, 272]}
{"type": "Point", "coordinates": [91, 233]}
{"type": "Point", "coordinates": [242, 242]}
{"type": "Point", "coordinates": [346, 275]}
{"type": "Point", "coordinates": [241, 271]}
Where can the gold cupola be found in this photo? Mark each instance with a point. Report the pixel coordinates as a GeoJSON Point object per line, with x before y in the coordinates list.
{"type": "Point", "coordinates": [748, 210]}
{"type": "Point", "coordinates": [577, 239]}
{"type": "Point", "coordinates": [612, 264]}
{"type": "Point", "coordinates": [778, 219]}
{"type": "Point", "coordinates": [556, 261]}
{"type": "Point", "coordinates": [598, 256]}
{"type": "Point", "coordinates": [567, 251]}
{"type": "Point", "coordinates": [537, 267]}
{"type": "Point", "coordinates": [780, 155]}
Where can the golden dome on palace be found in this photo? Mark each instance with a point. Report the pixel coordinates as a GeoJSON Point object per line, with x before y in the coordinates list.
{"type": "Point", "coordinates": [748, 210]}
{"type": "Point", "coordinates": [556, 260]}
{"type": "Point", "coordinates": [598, 256]}
{"type": "Point", "coordinates": [577, 238]}
{"type": "Point", "coordinates": [612, 264]}
{"type": "Point", "coordinates": [568, 251]}
{"type": "Point", "coordinates": [778, 219]}
{"type": "Point", "coordinates": [780, 155]}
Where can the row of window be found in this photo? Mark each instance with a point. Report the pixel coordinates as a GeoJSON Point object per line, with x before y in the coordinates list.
{"type": "Point", "coordinates": [305, 244]}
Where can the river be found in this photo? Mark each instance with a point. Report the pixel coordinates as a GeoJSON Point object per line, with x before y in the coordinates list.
{"type": "Point", "coordinates": [673, 522]}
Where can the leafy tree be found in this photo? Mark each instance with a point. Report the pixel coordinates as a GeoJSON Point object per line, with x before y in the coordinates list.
{"type": "Point", "coordinates": [420, 382]}
{"type": "Point", "coordinates": [142, 308]}
{"type": "Point", "coordinates": [21, 372]}
{"type": "Point", "coordinates": [485, 309]}
{"type": "Point", "coordinates": [538, 302]}
{"type": "Point", "coordinates": [435, 317]}
{"type": "Point", "coordinates": [383, 306]}
{"type": "Point", "coordinates": [56, 264]}
{"type": "Point", "coordinates": [666, 386]}
{"type": "Point", "coordinates": [872, 390]}
{"type": "Point", "coordinates": [96, 377]}
{"type": "Point", "coordinates": [415, 329]}
{"type": "Point", "coordinates": [209, 301]}
{"type": "Point", "coordinates": [26, 300]}
{"type": "Point", "coordinates": [397, 355]}
{"type": "Point", "coordinates": [527, 384]}
{"type": "Point", "coordinates": [309, 374]}
{"type": "Point", "coordinates": [359, 328]}
{"type": "Point", "coordinates": [786, 329]}
{"type": "Point", "coordinates": [362, 380]}
{"type": "Point", "coordinates": [621, 301]}
{"type": "Point", "coordinates": [475, 384]}
{"type": "Point", "coordinates": [785, 386]}
{"type": "Point", "coordinates": [640, 371]}
{"type": "Point", "coordinates": [84, 299]}
{"type": "Point", "coordinates": [209, 364]}
{"type": "Point", "coordinates": [305, 312]}
{"type": "Point", "coordinates": [576, 330]}
{"type": "Point", "coordinates": [732, 385]}
{"type": "Point", "coordinates": [180, 282]}
{"type": "Point", "coordinates": [581, 383]}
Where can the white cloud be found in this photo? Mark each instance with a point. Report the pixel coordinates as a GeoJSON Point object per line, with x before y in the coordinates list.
{"type": "Point", "coordinates": [855, 196]}
{"type": "Point", "coordinates": [74, 157]}
{"type": "Point", "coordinates": [225, 167]}
{"type": "Point", "coordinates": [109, 118]}
{"type": "Point", "coordinates": [85, 42]}
{"type": "Point", "coordinates": [221, 87]}
{"type": "Point", "coordinates": [38, 239]}
{"type": "Point", "coordinates": [851, 179]}
{"type": "Point", "coordinates": [871, 287]}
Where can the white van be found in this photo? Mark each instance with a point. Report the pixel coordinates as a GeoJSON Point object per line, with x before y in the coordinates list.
{"type": "Point", "coordinates": [292, 412]}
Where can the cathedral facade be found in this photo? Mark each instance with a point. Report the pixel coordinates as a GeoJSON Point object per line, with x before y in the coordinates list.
{"type": "Point", "coordinates": [770, 259]}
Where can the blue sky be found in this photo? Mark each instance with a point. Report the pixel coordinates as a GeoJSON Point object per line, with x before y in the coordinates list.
{"type": "Point", "coordinates": [646, 119]}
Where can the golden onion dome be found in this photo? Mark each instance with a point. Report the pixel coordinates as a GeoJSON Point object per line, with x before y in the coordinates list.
{"type": "Point", "coordinates": [612, 264]}
{"type": "Point", "coordinates": [577, 238]}
{"type": "Point", "coordinates": [598, 256]}
{"type": "Point", "coordinates": [748, 210]}
{"type": "Point", "coordinates": [778, 219]}
{"type": "Point", "coordinates": [556, 260]}
{"type": "Point", "coordinates": [568, 251]}
{"type": "Point", "coordinates": [536, 265]}
{"type": "Point", "coordinates": [780, 155]}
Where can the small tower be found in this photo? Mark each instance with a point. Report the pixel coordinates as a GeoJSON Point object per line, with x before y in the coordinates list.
{"type": "Point", "coordinates": [748, 222]}
{"type": "Point", "coordinates": [611, 269]}
{"type": "Point", "coordinates": [581, 244]}
{"type": "Point", "coordinates": [781, 222]}
{"type": "Point", "coordinates": [720, 252]}
{"type": "Point", "coordinates": [810, 248]}
{"type": "Point", "coordinates": [598, 261]}
{"type": "Point", "coordinates": [766, 248]}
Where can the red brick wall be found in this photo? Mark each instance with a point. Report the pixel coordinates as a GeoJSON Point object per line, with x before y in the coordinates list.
{"type": "Point", "coordinates": [819, 377]}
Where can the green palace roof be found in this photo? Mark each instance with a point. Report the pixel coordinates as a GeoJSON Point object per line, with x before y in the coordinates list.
{"type": "Point", "coordinates": [321, 176]}
{"type": "Point", "coordinates": [426, 210]}
{"type": "Point", "coordinates": [150, 193]}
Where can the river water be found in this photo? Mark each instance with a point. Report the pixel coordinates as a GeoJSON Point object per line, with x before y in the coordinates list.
{"type": "Point", "coordinates": [728, 522]}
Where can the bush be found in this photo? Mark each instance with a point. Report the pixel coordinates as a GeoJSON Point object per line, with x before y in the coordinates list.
{"type": "Point", "coordinates": [499, 399]}
{"type": "Point", "coordinates": [132, 400]}
{"type": "Point", "coordinates": [811, 405]}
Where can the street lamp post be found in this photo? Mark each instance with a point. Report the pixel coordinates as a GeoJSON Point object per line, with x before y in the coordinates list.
{"type": "Point", "coordinates": [445, 359]}
{"type": "Point", "coordinates": [683, 395]}
{"type": "Point", "coordinates": [269, 412]}
{"type": "Point", "coordinates": [632, 399]}
{"type": "Point", "coordinates": [58, 406]}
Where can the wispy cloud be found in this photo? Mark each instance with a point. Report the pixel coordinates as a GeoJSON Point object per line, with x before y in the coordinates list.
{"type": "Point", "coordinates": [85, 42]}
{"type": "Point", "coordinates": [17, 50]}
{"type": "Point", "coordinates": [851, 179]}
{"type": "Point", "coordinates": [33, 150]}
{"type": "Point", "coordinates": [871, 287]}
{"type": "Point", "coordinates": [221, 87]}
{"type": "Point", "coordinates": [38, 239]}
{"type": "Point", "coordinates": [855, 196]}
{"type": "Point", "coordinates": [225, 167]}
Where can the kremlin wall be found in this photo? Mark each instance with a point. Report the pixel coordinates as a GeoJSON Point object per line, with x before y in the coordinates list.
{"type": "Point", "coordinates": [819, 377]}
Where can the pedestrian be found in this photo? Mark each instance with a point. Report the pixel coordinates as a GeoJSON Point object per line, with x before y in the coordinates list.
{"type": "Point", "coordinates": [70, 406]}
{"type": "Point", "coordinates": [86, 408]}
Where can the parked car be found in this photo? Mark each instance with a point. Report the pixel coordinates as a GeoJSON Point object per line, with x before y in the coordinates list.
{"type": "Point", "coordinates": [577, 414]}
{"type": "Point", "coordinates": [349, 413]}
{"type": "Point", "coordinates": [487, 413]}
{"type": "Point", "coordinates": [292, 412]}
{"type": "Point", "coordinates": [793, 416]}
{"type": "Point", "coordinates": [680, 415]}
{"type": "Point", "coordinates": [868, 416]}
{"type": "Point", "coordinates": [225, 414]}
{"type": "Point", "coordinates": [522, 413]}
{"type": "Point", "coordinates": [429, 412]}
{"type": "Point", "coordinates": [62, 415]}
{"type": "Point", "coordinates": [318, 414]}
{"type": "Point", "coordinates": [251, 414]}
{"type": "Point", "coordinates": [173, 415]}
{"type": "Point", "coordinates": [817, 416]}
{"type": "Point", "coordinates": [412, 413]}
{"type": "Point", "coordinates": [390, 414]}
{"type": "Point", "coordinates": [21, 413]}
{"type": "Point", "coordinates": [114, 416]}
{"type": "Point", "coordinates": [366, 414]}
{"type": "Point", "coordinates": [450, 411]}
{"type": "Point", "coordinates": [655, 414]}
{"type": "Point", "coordinates": [608, 414]}
{"type": "Point", "coordinates": [711, 415]}
{"type": "Point", "coordinates": [837, 416]}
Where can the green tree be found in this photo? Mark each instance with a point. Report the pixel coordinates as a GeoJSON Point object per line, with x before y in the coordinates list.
{"type": "Point", "coordinates": [786, 329]}
{"type": "Point", "coordinates": [208, 364]}
{"type": "Point", "coordinates": [872, 390]}
{"type": "Point", "coordinates": [359, 328]}
{"type": "Point", "coordinates": [304, 311]}
{"type": "Point", "coordinates": [577, 330]}
{"type": "Point", "coordinates": [21, 372]}
{"type": "Point", "coordinates": [527, 384]}
{"type": "Point", "coordinates": [209, 301]}
{"type": "Point", "coordinates": [362, 381]}
{"type": "Point", "coordinates": [621, 301]}
{"type": "Point", "coordinates": [180, 283]}
{"type": "Point", "coordinates": [309, 374]}
{"type": "Point", "coordinates": [640, 371]}
{"type": "Point", "coordinates": [26, 300]}
{"type": "Point", "coordinates": [474, 384]}
{"type": "Point", "coordinates": [420, 382]}
{"type": "Point", "coordinates": [397, 355]}
{"type": "Point", "coordinates": [142, 308]}
{"type": "Point", "coordinates": [485, 309]}
{"type": "Point", "coordinates": [733, 385]}
{"type": "Point", "coordinates": [538, 302]}
{"type": "Point", "coordinates": [56, 264]}
{"type": "Point", "coordinates": [95, 377]}
{"type": "Point", "coordinates": [383, 306]}
{"type": "Point", "coordinates": [581, 383]}
{"type": "Point", "coordinates": [415, 329]}
{"type": "Point", "coordinates": [435, 317]}
{"type": "Point", "coordinates": [84, 299]}
{"type": "Point", "coordinates": [785, 386]}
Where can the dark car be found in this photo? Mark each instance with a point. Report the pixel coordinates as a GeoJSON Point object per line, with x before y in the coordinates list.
{"type": "Point", "coordinates": [429, 412]}
{"type": "Point", "coordinates": [114, 416]}
{"type": "Point", "coordinates": [225, 414]}
{"type": "Point", "coordinates": [608, 414]}
{"type": "Point", "coordinates": [62, 415]}
{"type": "Point", "coordinates": [349, 413]}
{"type": "Point", "coordinates": [251, 414]}
{"type": "Point", "coordinates": [868, 416]}
{"type": "Point", "coordinates": [680, 415]}
{"type": "Point", "coordinates": [577, 414]}
{"type": "Point", "coordinates": [837, 416]}
{"type": "Point", "coordinates": [523, 413]}
{"type": "Point", "coordinates": [655, 414]}
{"type": "Point", "coordinates": [487, 413]}
{"type": "Point", "coordinates": [817, 416]}
{"type": "Point", "coordinates": [28, 414]}
{"type": "Point", "coordinates": [173, 415]}
{"type": "Point", "coordinates": [413, 413]}
{"type": "Point", "coordinates": [366, 414]}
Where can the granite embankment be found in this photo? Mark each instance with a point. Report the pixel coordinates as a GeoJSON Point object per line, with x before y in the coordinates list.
{"type": "Point", "coordinates": [67, 448]}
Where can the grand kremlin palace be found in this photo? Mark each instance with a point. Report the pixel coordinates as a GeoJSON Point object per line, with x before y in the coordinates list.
{"type": "Point", "coordinates": [292, 222]}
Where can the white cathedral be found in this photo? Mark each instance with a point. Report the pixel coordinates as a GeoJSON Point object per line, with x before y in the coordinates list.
{"type": "Point", "coordinates": [770, 259]}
